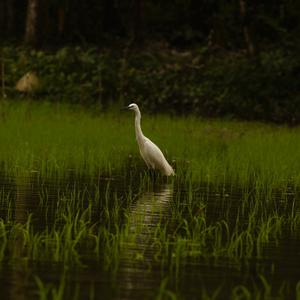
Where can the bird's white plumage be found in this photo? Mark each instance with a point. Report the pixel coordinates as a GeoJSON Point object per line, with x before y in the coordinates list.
{"type": "Point", "coordinates": [150, 153]}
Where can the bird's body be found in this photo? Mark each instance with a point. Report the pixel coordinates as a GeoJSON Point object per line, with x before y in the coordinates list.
{"type": "Point", "coordinates": [150, 153]}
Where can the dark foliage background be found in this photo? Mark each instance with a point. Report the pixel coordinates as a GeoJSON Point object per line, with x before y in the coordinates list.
{"type": "Point", "coordinates": [238, 59]}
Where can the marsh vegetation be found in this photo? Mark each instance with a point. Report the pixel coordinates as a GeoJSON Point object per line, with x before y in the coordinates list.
{"type": "Point", "coordinates": [80, 216]}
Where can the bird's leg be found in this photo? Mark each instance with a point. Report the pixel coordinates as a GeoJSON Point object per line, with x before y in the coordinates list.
{"type": "Point", "coordinates": [152, 174]}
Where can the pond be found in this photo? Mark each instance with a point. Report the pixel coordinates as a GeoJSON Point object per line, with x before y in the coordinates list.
{"type": "Point", "coordinates": [142, 236]}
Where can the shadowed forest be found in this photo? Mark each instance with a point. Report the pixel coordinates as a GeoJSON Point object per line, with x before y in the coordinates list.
{"type": "Point", "coordinates": [234, 59]}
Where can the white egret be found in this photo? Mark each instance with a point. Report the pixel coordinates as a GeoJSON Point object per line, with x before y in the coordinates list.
{"type": "Point", "coordinates": [150, 153]}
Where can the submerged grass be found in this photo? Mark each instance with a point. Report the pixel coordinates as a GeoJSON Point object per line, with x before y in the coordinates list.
{"type": "Point", "coordinates": [111, 228]}
{"type": "Point", "coordinates": [107, 225]}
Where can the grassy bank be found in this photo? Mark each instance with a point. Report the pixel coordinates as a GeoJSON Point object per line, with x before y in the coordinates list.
{"type": "Point", "coordinates": [51, 138]}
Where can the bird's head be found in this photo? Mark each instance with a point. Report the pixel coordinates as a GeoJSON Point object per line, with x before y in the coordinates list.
{"type": "Point", "coordinates": [133, 106]}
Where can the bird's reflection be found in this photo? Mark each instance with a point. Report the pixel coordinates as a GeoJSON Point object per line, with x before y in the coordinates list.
{"type": "Point", "coordinates": [139, 270]}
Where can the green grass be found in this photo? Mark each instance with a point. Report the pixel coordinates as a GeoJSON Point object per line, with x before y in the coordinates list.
{"type": "Point", "coordinates": [44, 141]}
{"type": "Point", "coordinates": [52, 138]}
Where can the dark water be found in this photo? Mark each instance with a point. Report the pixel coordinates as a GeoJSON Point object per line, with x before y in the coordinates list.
{"type": "Point", "coordinates": [138, 274]}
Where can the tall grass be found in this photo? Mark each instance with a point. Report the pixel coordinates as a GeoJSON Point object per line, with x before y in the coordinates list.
{"type": "Point", "coordinates": [52, 138]}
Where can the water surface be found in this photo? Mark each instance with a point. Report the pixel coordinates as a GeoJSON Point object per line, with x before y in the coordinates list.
{"type": "Point", "coordinates": [137, 209]}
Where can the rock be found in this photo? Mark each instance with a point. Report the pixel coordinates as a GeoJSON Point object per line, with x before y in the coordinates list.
{"type": "Point", "coordinates": [28, 83]}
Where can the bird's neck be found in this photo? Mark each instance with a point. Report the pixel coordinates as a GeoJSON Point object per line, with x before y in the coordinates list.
{"type": "Point", "coordinates": [138, 130]}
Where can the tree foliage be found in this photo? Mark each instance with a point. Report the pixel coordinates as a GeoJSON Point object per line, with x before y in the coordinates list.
{"type": "Point", "coordinates": [180, 22]}
{"type": "Point", "coordinates": [212, 57]}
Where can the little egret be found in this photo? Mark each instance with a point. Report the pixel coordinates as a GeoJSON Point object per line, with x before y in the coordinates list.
{"type": "Point", "coordinates": [150, 153]}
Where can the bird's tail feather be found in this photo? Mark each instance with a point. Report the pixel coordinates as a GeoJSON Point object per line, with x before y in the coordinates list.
{"type": "Point", "coordinates": [168, 170]}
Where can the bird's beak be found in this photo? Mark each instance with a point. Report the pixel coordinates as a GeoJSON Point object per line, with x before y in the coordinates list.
{"type": "Point", "coordinates": [124, 108]}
